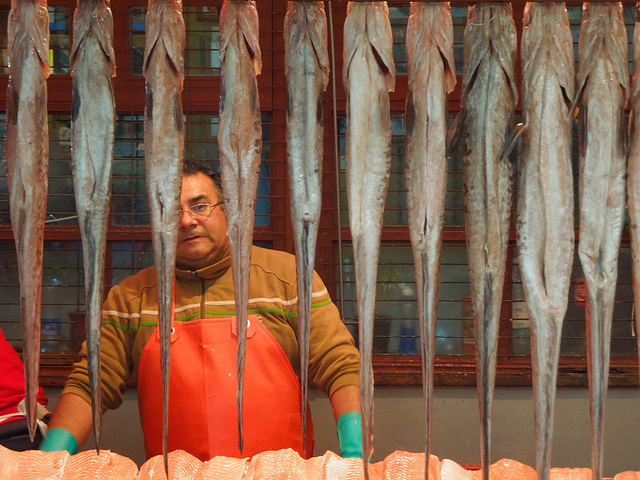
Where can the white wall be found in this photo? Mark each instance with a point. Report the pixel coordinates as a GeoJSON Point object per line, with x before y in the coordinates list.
{"type": "Point", "coordinates": [399, 425]}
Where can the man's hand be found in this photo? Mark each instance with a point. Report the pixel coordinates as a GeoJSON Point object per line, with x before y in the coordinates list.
{"type": "Point", "coordinates": [69, 426]}
{"type": "Point", "coordinates": [58, 439]}
{"type": "Point", "coordinates": [345, 403]}
{"type": "Point", "coordinates": [350, 435]}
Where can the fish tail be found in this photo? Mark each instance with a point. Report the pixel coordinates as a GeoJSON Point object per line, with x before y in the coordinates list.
{"type": "Point", "coordinates": [240, 239]}
{"type": "Point", "coordinates": [598, 370]}
{"type": "Point", "coordinates": [427, 335]}
{"type": "Point", "coordinates": [305, 259]}
{"type": "Point", "coordinates": [93, 319]}
{"type": "Point", "coordinates": [29, 249]}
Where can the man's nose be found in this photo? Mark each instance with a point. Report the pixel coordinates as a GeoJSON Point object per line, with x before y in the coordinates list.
{"type": "Point", "coordinates": [185, 218]}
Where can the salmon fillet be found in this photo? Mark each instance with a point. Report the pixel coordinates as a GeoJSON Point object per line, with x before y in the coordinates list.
{"type": "Point", "coordinates": [507, 469]}
{"type": "Point", "coordinates": [570, 474]}
{"type": "Point", "coordinates": [282, 465]}
{"type": "Point", "coordinates": [31, 465]}
{"type": "Point", "coordinates": [334, 467]}
{"type": "Point", "coordinates": [406, 465]}
{"type": "Point", "coordinates": [182, 466]}
{"type": "Point", "coordinates": [223, 468]}
{"type": "Point", "coordinates": [88, 465]}
{"type": "Point", "coordinates": [627, 476]}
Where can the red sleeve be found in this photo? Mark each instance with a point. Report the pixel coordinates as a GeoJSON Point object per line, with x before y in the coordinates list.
{"type": "Point", "coordinates": [12, 379]}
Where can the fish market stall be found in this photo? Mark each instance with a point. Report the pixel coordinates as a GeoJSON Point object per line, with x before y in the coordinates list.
{"type": "Point", "coordinates": [462, 175]}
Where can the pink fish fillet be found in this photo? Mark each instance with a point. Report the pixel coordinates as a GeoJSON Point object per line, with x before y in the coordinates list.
{"type": "Point", "coordinates": [602, 90]}
{"type": "Point", "coordinates": [307, 71]}
{"type": "Point", "coordinates": [570, 474]}
{"type": "Point", "coordinates": [32, 464]}
{"type": "Point", "coordinates": [627, 476]}
{"type": "Point", "coordinates": [88, 465]}
{"type": "Point", "coordinates": [223, 468]}
{"type": "Point", "coordinates": [368, 75]}
{"type": "Point", "coordinates": [92, 126]}
{"type": "Point", "coordinates": [283, 464]}
{"type": "Point", "coordinates": [240, 143]}
{"type": "Point", "coordinates": [164, 144]}
{"type": "Point", "coordinates": [545, 202]}
{"type": "Point", "coordinates": [633, 173]}
{"type": "Point", "coordinates": [431, 76]}
{"type": "Point", "coordinates": [507, 469]}
{"type": "Point", "coordinates": [27, 162]}
{"type": "Point", "coordinates": [489, 95]}
{"type": "Point", "coordinates": [182, 466]}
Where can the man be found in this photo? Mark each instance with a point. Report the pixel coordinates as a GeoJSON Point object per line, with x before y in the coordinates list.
{"type": "Point", "coordinates": [202, 414]}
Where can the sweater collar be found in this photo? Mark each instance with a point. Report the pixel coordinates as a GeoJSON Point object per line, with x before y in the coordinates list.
{"type": "Point", "coordinates": [206, 273]}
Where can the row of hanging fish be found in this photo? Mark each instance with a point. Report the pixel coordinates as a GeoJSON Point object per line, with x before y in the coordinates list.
{"type": "Point", "coordinates": [484, 128]}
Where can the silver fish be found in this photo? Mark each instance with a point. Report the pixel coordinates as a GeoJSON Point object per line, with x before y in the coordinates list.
{"type": "Point", "coordinates": [307, 71]}
{"type": "Point", "coordinates": [27, 161]}
{"type": "Point", "coordinates": [545, 201]}
{"type": "Point", "coordinates": [431, 76]}
{"type": "Point", "coordinates": [633, 173]}
{"type": "Point", "coordinates": [92, 126]}
{"type": "Point", "coordinates": [602, 91]}
{"type": "Point", "coordinates": [240, 144]}
{"type": "Point", "coordinates": [489, 95]}
{"type": "Point", "coordinates": [368, 76]}
{"type": "Point", "coordinates": [164, 144]}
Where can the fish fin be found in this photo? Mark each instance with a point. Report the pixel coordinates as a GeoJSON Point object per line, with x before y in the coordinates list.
{"type": "Point", "coordinates": [380, 36]}
{"type": "Point", "coordinates": [100, 21]}
{"type": "Point", "coordinates": [249, 26]}
{"type": "Point", "coordinates": [317, 21]}
{"type": "Point", "coordinates": [38, 32]}
{"type": "Point", "coordinates": [511, 141]}
{"type": "Point", "coordinates": [227, 26]}
{"type": "Point", "coordinates": [475, 46]}
{"type": "Point", "coordinates": [617, 42]}
{"type": "Point", "coordinates": [443, 35]}
{"type": "Point", "coordinates": [353, 35]}
{"type": "Point", "coordinates": [574, 110]}
{"type": "Point", "coordinates": [173, 39]}
{"type": "Point", "coordinates": [152, 33]}
{"type": "Point", "coordinates": [456, 132]}
{"type": "Point", "coordinates": [505, 43]}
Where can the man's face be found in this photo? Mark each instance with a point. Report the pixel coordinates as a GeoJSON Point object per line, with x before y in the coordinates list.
{"type": "Point", "coordinates": [201, 242]}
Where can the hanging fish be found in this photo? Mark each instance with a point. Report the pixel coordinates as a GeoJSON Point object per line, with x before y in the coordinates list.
{"type": "Point", "coordinates": [368, 76]}
{"type": "Point", "coordinates": [164, 144]}
{"type": "Point", "coordinates": [489, 95]}
{"type": "Point", "coordinates": [27, 161]}
{"type": "Point", "coordinates": [307, 72]}
{"type": "Point", "coordinates": [602, 91]}
{"type": "Point", "coordinates": [93, 119]}
{"type": "Point", "coordinates": [240, 144]}
{"type": "Point", "coordinates": [431, 76]}
{"type": "Point", "coordinates": [545, 202]}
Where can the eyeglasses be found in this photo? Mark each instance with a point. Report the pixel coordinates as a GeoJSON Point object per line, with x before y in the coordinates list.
{"type": "Point", "coordinates": [201, 211]}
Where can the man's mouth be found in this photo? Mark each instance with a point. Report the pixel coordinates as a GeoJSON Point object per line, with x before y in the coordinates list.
{"type": "Point", "coordinates": [190, 238]}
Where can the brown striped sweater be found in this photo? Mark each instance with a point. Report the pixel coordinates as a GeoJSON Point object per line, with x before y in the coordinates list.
{"type": "Point", "coordinates": [130, 315]}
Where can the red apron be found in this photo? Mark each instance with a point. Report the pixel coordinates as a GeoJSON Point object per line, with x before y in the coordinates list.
{"type": "Point", "coordinates": [203, 416]}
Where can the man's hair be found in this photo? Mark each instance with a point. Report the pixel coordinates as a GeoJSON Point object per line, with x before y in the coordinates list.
{"type": "Point", "coordinates": [193, 167]}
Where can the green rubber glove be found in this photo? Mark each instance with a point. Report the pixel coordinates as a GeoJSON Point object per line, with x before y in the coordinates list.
{"type": "Point", "coordinates": [350, 435]}
{"type": "Point", "coordinates": [58, 439]}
